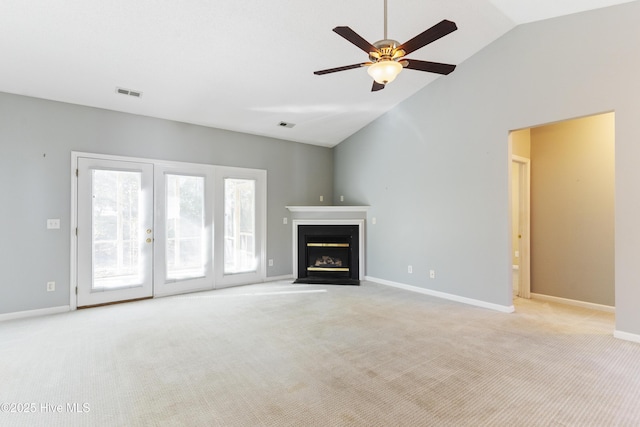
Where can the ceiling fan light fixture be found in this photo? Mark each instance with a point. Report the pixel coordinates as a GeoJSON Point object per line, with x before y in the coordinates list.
{"type": "Point", "coordinates": [384, 71]}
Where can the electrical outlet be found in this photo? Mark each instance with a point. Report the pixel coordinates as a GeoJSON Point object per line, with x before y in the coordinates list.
{"type": "Point", "coordinates": [285, 220]}
{"type": "Point", "coordinates": [342, 198]}
{"type": "Point", "coordinates": [51, 286]}
{"type": "Point", "coordinates": [517, 254]}
{"type": "Point", "coordinates": [270, 263]}
{"type": "Point", "coordinates": [373, 220]}
{"type": "Point", "coordinates": [322, 198]}
{"type": "Point", "coordinates": [432, 274]}
{"type": "Point", "coordinates": [410, 269]}
{"type": "Point", "coordinates": [53, 224]}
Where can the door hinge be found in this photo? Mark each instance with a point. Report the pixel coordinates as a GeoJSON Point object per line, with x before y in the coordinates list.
{"type": "Point", "coordinates": [76, 172]}
{"type": "Point", "coordinates": [76, 231]}
{"type": "Point", "coordinates": [76, 290]}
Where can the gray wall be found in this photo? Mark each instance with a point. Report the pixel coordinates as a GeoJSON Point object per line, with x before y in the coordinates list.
{"type": "Point", "coordinates": [435, 169]}
{"type": "Point", "coordinates": [572, 209]}
{"type": "Point", "coordinates": [36, 140]}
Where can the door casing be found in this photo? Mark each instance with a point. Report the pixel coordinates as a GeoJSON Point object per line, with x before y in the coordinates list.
{"type": "Point", "coordinates": [524, 226]}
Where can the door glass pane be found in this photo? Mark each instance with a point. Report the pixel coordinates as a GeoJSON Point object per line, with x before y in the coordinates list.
{"type": "Point", "coordinates": [116, 239]}
{"type": "Point", "coordinates": [239, 226]}
{"type": "Point", "coordinates": [185, 227]}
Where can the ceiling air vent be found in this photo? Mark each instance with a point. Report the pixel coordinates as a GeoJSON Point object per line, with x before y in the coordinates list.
{"type": "Point", "coordinates": [286, 125]}
{"type": "Point", "coordinates": [134, 93]}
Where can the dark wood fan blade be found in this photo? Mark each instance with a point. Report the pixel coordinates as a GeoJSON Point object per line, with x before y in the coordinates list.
{"type": "Point", "coordinates": [431, 67]}
{"type": "Point", "coordinates": [439, 30]}
{"type": "Point", "coordinates": [377, 86]}
{"type": "Point", "coordinates": [334, 70]}
{"type": "Point", "coordinates": [354, 38]}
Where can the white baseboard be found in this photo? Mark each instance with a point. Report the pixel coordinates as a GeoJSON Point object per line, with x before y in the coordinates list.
{"type": "Point", "coordinates": [34, 313]}
{"type": "Point", "coordinates": [583, 304]}
{"type": "Point", "coordinates": [626, 336]}
{"type": "Point", "coordinates": [443, 295]}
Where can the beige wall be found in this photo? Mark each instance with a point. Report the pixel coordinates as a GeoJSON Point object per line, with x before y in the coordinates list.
{"type": "Point", "coordinates": [521, 143]}
{"type": "Point", "coordinates": [572, 209]}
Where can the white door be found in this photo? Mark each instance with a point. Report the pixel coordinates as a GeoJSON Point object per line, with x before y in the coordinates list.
{"type": "Point", "coordinates": [115, 231]}
{"type": "Point", "coordinates": [521, 177]}
{"type": "Point", "coordinates": [183, 257]}
{"type": "Point", "coordinates": [240, 241]}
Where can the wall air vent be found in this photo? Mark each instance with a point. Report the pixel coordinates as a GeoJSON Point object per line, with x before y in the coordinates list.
{"type": "Point", "coordinates": [286, 125]}
{"type": "Point", "coordinates": [130, 92]}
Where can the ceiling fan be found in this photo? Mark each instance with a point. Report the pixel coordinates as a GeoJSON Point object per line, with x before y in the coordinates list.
{"type": "Point", "coordinates": [387, 57]}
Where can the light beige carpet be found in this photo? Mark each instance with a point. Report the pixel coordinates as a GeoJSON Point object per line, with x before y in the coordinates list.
{"type": "Point", "coordinates": [298, 355]}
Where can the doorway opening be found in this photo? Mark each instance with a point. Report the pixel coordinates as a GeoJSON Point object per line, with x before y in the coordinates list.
{"type": "Point", "coordinates": [569, 257]}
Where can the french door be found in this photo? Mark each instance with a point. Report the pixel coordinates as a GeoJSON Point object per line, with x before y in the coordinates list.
{"type": "Point", "coordinates": [146, 228]}
{"type": "Point", "coordinates": [183, 253]}
{"type": "Point", "coordinates": [115, 231]}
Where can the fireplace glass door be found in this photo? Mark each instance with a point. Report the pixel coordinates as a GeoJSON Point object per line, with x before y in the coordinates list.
{"type": "Point", "coordinates": [330, 258]}
{"type": "Point", "coordinates": [328, 254]}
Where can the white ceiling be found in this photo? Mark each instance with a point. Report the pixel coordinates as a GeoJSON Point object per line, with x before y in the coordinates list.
{"type": "Point", "coordinates": [242, 65]}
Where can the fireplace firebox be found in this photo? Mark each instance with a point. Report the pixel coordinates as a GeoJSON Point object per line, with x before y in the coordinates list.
{"type": "Point", "coordinates": [328, 254]}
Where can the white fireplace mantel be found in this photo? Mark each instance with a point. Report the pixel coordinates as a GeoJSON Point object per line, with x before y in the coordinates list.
{"type": "Point", "coordinates": [328, 209]}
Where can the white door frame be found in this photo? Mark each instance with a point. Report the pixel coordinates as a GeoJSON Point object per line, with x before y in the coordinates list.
{"type": "Point", "coordinates": [524, 271]}
{"type": "Point", "coordinates": [143, 285]}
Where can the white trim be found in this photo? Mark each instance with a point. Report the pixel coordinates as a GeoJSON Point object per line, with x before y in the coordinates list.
{"type": "Point", "coordinates": [626, 336]}
{"type": "Point", "coordinates": [328, 208]}
{"type": "Point", "coordinates": [359, 222]}
{"type": "Point", "coordinates": [73, 247]}
{"type": "Point", "coordinates": [34, 313]}
{"type": "Point", "coordinates": [524, 273]}
{"type": "Point", "coordinates": [443, 295]}
{"type": "Point", "coordinates": [575, 303]}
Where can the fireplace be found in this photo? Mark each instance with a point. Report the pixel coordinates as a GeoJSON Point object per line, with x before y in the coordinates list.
{"type": "Point", "coordinates": [328, 254]}
{"type": "Point", "coordinates": [333, 237]}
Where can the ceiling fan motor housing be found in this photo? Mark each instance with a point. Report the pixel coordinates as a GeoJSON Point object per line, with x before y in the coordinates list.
{"type": "Point", "coordinates": [386, 50]}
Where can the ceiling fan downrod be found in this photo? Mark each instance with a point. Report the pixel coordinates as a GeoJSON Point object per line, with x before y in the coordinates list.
{"type": "Point", "coordinates": [385, 19]}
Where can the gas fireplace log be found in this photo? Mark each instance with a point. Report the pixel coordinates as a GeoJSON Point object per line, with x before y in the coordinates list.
{"type": "Point", "coordinates": [327, 261]}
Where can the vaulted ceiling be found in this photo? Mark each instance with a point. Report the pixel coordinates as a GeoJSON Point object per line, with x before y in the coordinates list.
{"type": "Point", "coordinates": [243, 65]}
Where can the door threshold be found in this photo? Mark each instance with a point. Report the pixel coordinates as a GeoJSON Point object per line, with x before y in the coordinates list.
{"type": "Point", "coordinates": [114, 302]}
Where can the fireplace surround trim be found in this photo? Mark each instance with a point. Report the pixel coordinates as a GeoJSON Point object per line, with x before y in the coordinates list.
{"type": "Point", "coordinates": [359, 222]}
